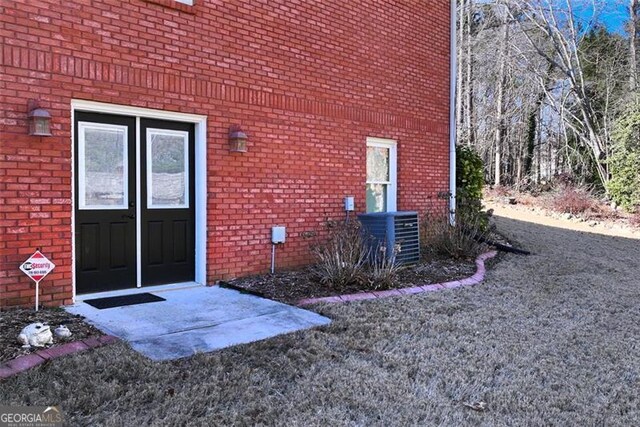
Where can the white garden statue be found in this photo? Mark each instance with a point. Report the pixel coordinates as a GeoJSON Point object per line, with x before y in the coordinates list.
{"type": "Point", "coordinates": [35, 334]}
{"type": "Point", "coordinates": [62, 332]}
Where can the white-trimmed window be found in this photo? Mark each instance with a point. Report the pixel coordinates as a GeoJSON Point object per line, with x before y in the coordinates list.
{"type": "Point", "coordinates": [381, 175]}
{"type": "Point", "coordinates": [187, 2]}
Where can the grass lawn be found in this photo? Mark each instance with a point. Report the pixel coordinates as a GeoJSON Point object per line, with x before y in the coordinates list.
{"type": "Point", "coordinates": [549, 339]}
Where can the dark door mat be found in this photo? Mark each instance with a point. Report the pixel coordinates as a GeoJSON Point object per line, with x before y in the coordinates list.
{"type": "Point", "coordinates": [111, 302]}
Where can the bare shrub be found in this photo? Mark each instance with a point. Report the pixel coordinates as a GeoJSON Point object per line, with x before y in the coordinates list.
{"type": "Point", "coordinates": [348, 256]}
{"type": "Point", "coordinates": [634, 219]}
{"type": "Point", "coordinates": [572, 200]}
{"type": "Point", "coordinates": [497, 191]}
{"type": "Point", "coordinates": [603, 212]}
{"type": "Point", "coordinates": [341, 259]}
{"type": "Point", "coordinates": [527, 199]}
{"type": "Point", "coordinates": [564, 179]}
{"type": "Point", "coordinates": [462, 240]}
{"type": "Point", "coordinates": [383, 269]}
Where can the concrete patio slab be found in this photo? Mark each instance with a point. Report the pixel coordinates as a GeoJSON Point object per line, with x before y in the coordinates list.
{"type": "Point", "coordinates": [200, 319]}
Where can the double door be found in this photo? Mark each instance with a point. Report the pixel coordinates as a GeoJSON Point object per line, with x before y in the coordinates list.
{"type": "Point", "coordinates": [134, 202]}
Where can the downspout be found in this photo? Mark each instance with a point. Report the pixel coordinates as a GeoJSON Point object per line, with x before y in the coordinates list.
{"type": "Point", "coordinates": [452, 117]}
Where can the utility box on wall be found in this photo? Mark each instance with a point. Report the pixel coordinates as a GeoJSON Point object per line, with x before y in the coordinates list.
{"type": "Point", "coordinates": [278, 235]}
{"type": "Point", "coordinates": [349, 204]}
{"type": "Point", "coordinates": [396, 231]}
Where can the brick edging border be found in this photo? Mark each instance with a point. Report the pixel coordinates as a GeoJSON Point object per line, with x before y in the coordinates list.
{"type": "Point", "coordinates": [469, 281]}
{"type": "Point", "coordinates": [28, 361]}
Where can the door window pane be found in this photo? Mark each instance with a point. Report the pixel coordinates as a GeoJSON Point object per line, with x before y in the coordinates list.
{"type": "Point", "coordinates": [376, 197]}
{"type": "Point", "coordinates": [102, 164]}
{"type": "Point", "coordinates": [167, 169]}
{"type": "Point", "coordinates": [377, 164]}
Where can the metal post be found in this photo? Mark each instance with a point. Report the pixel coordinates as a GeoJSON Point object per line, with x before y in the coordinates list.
{"type": "Point", "coordinates": [273, 258]}
{"type": "Point", "coordinates": [37, 293]}
{"type": "Point", "coordinates": [452, 115]}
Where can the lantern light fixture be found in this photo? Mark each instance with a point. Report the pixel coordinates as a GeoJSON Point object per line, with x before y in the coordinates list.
{"type": "Point", "coordinates": [39, 120]}
{"type": "Point", "coordinates": [237, 140]}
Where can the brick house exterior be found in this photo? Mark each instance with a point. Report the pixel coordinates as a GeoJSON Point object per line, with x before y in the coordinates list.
{"type": "Point", "coordinates": [308, 82]}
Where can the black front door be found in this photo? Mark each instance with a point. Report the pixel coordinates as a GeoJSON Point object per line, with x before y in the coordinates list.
{"type": "Point", "coordinates": [111, 243]}
{"type": "Point", "coordinates": [105, 189]}
{"type": "Point", "coordinates": [168, 196]}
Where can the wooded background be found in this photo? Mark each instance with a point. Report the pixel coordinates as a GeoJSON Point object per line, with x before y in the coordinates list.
{"type": "Point", "coordinates": [547, 91]}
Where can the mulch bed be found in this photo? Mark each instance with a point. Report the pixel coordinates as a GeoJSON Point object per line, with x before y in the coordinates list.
{"type": "Point", "coordinates": [14, 319]}
{"type": "Point", "coordinates": [292, 286]}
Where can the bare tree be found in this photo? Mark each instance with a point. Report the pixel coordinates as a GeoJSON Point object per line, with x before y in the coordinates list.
{"type": "Point", "coordinates": [465, 79]}
{"type": "Point", "coordinates": [469, 110]}
{"type": "Point", "coordinates": [460, 55]}
{"type": "Point", "coordinates": [501, 82]}
{"type": "Point", "coordinates": [556, 21]}
{"type": "Point", "coordinates": [540, 85]}
{"type": "Point", "coordinates": [533, 121]}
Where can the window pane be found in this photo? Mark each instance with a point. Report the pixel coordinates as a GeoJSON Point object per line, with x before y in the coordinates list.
{"type": "Point", "coordinates": [377, 164]}
{"type": "Point", "coordinates": [167, 180]}
{"type": "Point", "coordinates": [103, 168]}
{"type": "Point", "coordinates": [376, 197]}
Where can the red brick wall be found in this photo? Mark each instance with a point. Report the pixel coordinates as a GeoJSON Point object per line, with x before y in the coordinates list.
{"type": "Point", "coordinates": [308, 81]}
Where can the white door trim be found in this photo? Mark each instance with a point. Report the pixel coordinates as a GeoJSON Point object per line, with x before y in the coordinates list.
{"type": "Point", "coordinates": [200, 123]}
{"type": "Point", "coordinates": [138, 206]}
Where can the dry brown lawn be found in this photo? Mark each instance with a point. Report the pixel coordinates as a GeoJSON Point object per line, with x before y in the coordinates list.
{"type": "Point", "coordinates": [549, 339]}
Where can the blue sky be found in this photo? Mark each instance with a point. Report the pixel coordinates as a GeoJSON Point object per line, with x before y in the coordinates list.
{"type": "Point", "coordinates": [614, 15]}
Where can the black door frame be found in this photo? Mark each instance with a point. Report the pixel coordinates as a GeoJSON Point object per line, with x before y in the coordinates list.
{"type": "Point", "coordinates": [199, 168]}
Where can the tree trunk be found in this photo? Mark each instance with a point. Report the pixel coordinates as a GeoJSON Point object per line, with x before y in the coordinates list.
{"type": "Point", "coordinates": [469, 119]}
{"type": "Point", "coordinates": [633, 60]}
{"type": "Point", "coordinates": [460, 56]}
{"type": "Point", "coordinates": [532, 129]}
{"type": "Point", "coordinates": [502, 79]}
{"type": "Point", "coordinates": [532, 126]}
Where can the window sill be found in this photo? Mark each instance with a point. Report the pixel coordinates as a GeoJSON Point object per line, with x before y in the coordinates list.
{"type": "Point", "coordinates": [173, 4]}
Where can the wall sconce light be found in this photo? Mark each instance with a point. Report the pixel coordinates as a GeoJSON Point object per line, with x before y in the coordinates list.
{"type": "Point", "coordinates": [237, 140]}
{"type": "Point", "coordinates": [39, 120]}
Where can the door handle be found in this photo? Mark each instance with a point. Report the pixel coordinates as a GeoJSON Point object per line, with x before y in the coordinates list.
{"type": "Point", "coordinates": [131, 216]}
